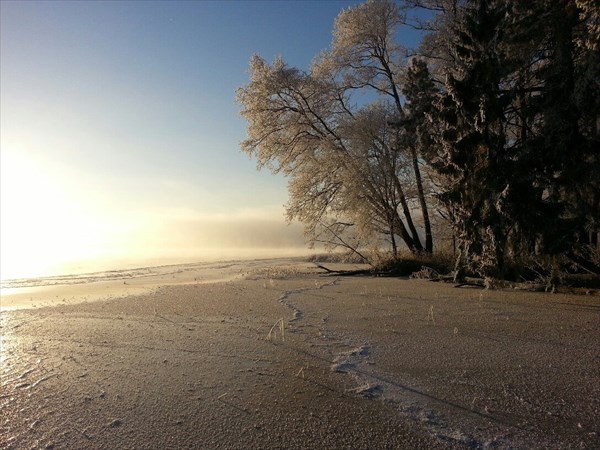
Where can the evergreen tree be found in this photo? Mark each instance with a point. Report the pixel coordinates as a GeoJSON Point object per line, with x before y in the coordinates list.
{"type": "Point", "coordinates": [570, 110]}
{"type": "Point", "coordinates": [558, 107]}
{"type": "Point", "coordinates": [473, 155]}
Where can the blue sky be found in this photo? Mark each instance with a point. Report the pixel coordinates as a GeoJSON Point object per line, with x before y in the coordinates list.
{"type": "Point", "coordinates": [119, 122]}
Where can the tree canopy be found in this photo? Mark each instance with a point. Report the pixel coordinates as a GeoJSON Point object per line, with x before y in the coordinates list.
{"type": "Point", "coordinates": [333, 129]}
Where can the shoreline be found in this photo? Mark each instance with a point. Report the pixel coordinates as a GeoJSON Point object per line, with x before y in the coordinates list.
{"type": "Point", "coordinates": [285, 358]}
{"type": "Point", "coordinates": [35, 292]}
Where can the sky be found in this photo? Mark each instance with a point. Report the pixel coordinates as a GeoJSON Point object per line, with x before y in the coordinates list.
{"type": "Point", "coordinates": [119, 130]}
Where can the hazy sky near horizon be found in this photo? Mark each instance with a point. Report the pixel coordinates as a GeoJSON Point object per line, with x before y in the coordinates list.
{"type": "Point", "coordinates": [120, 132]}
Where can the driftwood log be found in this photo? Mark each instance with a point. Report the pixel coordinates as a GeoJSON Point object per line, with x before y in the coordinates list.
{"type": "Point", "coordinates": [344, 273]}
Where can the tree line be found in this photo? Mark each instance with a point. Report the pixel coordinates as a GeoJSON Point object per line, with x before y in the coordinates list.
{"type": "Point", "coordinates": [489, 129]}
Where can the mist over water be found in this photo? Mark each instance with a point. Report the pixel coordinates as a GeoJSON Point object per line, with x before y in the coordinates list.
{"type": "Point", "coordinates": [156, 243]}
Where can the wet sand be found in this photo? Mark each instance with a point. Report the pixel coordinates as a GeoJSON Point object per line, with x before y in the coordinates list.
{"type": "Point", "coordinates": [362, 363]}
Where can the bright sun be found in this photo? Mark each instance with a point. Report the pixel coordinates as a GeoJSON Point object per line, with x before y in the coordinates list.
{"type": "Point", "coordinates": [41, 223]}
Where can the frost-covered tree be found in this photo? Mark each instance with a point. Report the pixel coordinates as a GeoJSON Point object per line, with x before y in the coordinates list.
{"type": "Point", "coordinates": [472, 155]}
{"type": "Point", "coordinates": [519, 115]}
{"type": "Point", "coordinates": [552, 125]}
{"type": "Point", "coordinates": [333, 131]}
{"type": "Point", "coordinates": [569, 109]}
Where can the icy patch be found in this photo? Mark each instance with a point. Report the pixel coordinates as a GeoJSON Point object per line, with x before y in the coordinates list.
{"type": "Point", "coordinates": [368, 391]}
{"type": "Point", "coordinates": [408, 398]}
{"type": "Point", "coordinates": [297, 313]}
{"type": "Point", "coordinates": [342, 367]}
{"type": "Point", "coordinates": [351, 362]}
{"type": "Point", "coordinates": [284, 300]}
{"type": "Point", "coordinates": [348, 361]}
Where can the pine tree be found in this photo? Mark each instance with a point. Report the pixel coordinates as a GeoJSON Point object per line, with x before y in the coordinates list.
{"type": "Point", "coordinates": [520, 133]}
{"type": "Point", "coordinates": [473, 155]}
{"type": "Point", "coordinates": [570, 110]}
{"type": "Point", "coordinates": [559, 107]}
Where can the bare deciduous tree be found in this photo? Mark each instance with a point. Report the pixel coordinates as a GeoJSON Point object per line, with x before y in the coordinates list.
{"type": "Point", "coordinates": [333, 130]}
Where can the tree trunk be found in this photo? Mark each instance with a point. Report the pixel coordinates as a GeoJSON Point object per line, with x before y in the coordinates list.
{"type": "Point", "coordinates": [414, 247]}
{"type": "Point", "coordinates": [418, 247]}
{"type": "Point", "coordinates": [422, 201]}
{"type": "Point", "coordinates": [394, 245]}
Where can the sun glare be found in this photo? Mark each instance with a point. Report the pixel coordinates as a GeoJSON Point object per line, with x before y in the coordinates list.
{"type": "Point", "coordinates": [41, 224]}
